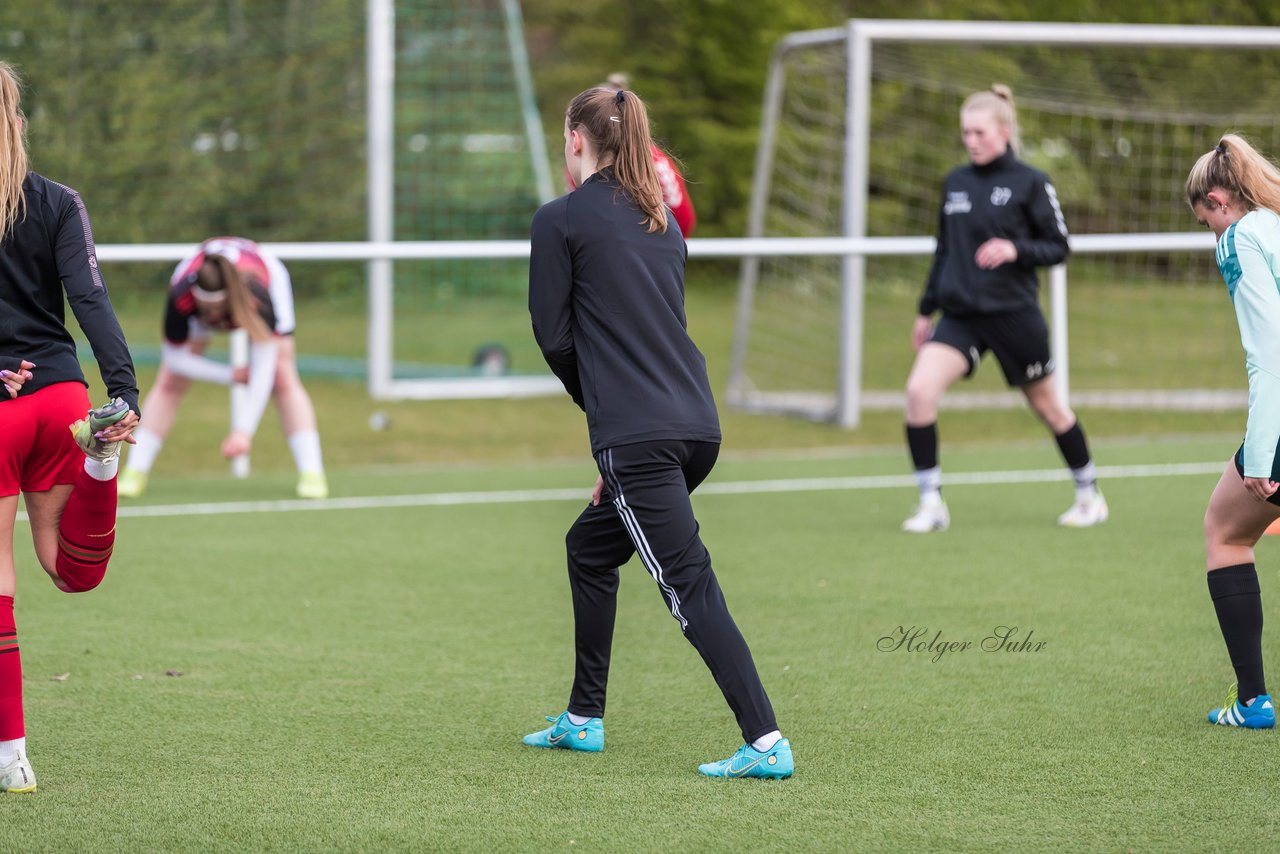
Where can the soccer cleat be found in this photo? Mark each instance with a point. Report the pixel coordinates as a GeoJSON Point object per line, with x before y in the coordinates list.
{"type": "Point", "coordinates": [131, 483]}
{"type": "Point", "coordinates": [776, 763]}
{"type": "Point", "coordinates": [928, 517]}
{"type": "Point", "coordinates": [312, 484]}
{"type": "Point", "coordinates": [17, 778]}
{"type": "Point", "coordinates": [565, 735]}
{"type": "Point", "coordinates": [1259, 714]}
{"type": "Point", "coordinates": [1086, 513]}
{"type": "Point", "coordinates": [86, 429]}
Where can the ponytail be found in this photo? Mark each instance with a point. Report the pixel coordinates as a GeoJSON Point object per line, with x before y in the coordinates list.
{"type": "Point", "coordinates": [617, 125]}
{"type": "Point", "coordinates": [998, 101]}
{"type": "Point", "coordinates": [13, 151]}
{"type": "Point", "coordinates": [1238, 168]}
{"type": "Point", "coordinates": [634, 161]}
{"type": "Point", "coordinates": [219, 274]}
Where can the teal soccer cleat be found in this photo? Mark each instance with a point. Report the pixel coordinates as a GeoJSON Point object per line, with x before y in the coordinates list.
{"type": "Point", "coordinates": [776, 763]}
{"type": "Point", "coordinates": [564, 735]}
{"type": "Point", "coordinates": [1260, 714]}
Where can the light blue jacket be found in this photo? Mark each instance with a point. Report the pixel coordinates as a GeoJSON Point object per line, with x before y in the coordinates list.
{"type": "Point", "coordinates": [1249, 260]}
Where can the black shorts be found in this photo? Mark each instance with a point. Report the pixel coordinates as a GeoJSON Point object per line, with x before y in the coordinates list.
{"type": "Point", "coordinates": [1275, 475]}
{"type": "Point", "coordinates": [1020, 340]}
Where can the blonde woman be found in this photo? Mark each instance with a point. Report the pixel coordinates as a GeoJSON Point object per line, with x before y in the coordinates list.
{"type": "Point", "coordinates": [999, 221]}
{"type": "Point", "coordinates": [1235, 192]}
{"type": "Point", "coordinates": [230, 283]}
{"type": "Point", "coordinates": [606, 295]}
{"type": "Point", "coordinates": [63, 462]}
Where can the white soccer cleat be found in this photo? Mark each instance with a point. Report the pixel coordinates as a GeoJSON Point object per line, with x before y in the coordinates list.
{"type": "Point", "coordinates": [929, 517]}
{"type": "Point", "coordinates": [1085, 513]}
{"type": "Point", "coordinates": [17, 777]}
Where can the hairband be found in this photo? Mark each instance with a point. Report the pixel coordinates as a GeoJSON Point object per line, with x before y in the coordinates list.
{"type": "Point", "coordinates": [1220, 148]}
{"type": "Point", "coordinates": [207, 296]}
{"type": "Point", "coordinates": [620, 97]}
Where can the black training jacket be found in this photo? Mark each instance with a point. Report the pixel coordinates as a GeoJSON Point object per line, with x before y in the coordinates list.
{"type": "Point", "coordinates": [607, 303]}
{"type": "Point", "coordinates": [1005, 198]}
{"type": "Point", "coordinates": [48, 250]}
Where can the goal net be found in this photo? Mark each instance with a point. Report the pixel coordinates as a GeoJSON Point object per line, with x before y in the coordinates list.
{"type": "Point", "coordinates": [1115, 122]}
{"type": "Point", "coordinates": [183, 119]}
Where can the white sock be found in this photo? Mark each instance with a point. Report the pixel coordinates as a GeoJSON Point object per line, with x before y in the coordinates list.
{"type": "Point", "coordinates": [1086, 478]}
{"type": "Point", "coordinates": [101, 469]}
{"type": "Point", "coordinates": [9, 750]}
{"type": "Point", "coordinates": [930, 483]}
{"type": "Point", "coordinates": [767, 741]}
{"type": "Point", "coordinates": [577, 720]}
{"type": "Point", "coordinates": [142, 456]}
{"type": "Point", "coordinates": [305, 445]}
{"type": "Point", "coordinates": [931, 499]}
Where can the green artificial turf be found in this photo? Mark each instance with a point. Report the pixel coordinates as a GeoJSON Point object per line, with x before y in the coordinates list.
{"type": "Point", "coordinates": [358, 679]}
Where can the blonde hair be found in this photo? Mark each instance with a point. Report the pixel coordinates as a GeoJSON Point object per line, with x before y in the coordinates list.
{"type": "Point", "coordinates": [13, 150]}
{"type": "Point", "coordinates": [1238, 168]}
{"type": "Point", "coordinates": [216, 274]}
{"type": "Point", "coordinates": [998, 101]}
{"type": "Point", "coordinates": [617, 125]}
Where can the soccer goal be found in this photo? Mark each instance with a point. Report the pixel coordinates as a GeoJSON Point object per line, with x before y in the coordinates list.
{"type": "Point", "coordinates": [304, 124]}
{"type": "Point", "coordinates": [860, 125]}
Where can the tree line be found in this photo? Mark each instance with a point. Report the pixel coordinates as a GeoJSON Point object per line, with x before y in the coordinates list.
{"type": "Point", "coordinates": [142, 105]}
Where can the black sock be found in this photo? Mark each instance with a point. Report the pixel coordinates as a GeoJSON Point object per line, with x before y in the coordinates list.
{"type": "Point", "coordinates": [1238, 601]}
{"type": "Point", "coordinates": [1074, 447]}
{"type": "Point", "coordinates": [923, 442]}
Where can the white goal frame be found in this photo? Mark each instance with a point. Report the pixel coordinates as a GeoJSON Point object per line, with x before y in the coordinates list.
{"type": "Point", "coordinates": [860, 37]}
{"type": "Point", "coordinates": [380, 58]}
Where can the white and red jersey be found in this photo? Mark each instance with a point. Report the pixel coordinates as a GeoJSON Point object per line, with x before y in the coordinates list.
{"type": "Point", "coordinates": [265, 273]}
{"type": "Point", "coordinates": [674, 192]}
{"type": "Point", "coordinates": [269, 282]}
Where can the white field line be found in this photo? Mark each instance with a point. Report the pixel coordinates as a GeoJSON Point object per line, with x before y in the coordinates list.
{"type": "Point", "coordinates": [743, 487]}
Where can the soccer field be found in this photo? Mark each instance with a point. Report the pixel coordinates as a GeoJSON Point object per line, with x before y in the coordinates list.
{"type": "Point", "coordinates": [356, 674]}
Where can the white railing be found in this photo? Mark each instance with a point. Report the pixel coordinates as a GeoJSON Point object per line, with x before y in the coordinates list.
{"type": "Point", "coordinates": [382, 385]}
{"type": "Point", "coordinates": [699, 247]}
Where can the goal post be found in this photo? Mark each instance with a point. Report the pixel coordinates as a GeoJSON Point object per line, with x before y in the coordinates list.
{"type": "Point", "coordinates": [477, 130]}
{"type": "Point", "coordinates": [845, 95]}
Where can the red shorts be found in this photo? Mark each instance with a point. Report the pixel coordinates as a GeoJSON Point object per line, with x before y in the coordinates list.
{"type": "Point", "coordinates": [38, 451]}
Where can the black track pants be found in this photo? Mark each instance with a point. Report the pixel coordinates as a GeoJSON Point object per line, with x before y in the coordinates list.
{"type": "Point", "coordinates": [645, 508]}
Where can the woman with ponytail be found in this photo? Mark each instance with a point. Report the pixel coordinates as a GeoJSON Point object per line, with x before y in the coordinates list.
{"type": "Point", "coordinates": [606, 295]}
{"type": "Point", "coordinates": [999, 221]}
{"type": "Point", "coordinates": [62, 460]}
{"type": "Point", "coordinates": [675, 193]}
{"type": "Point", "coordinates": [231, 283]}
{"type": "Point", "coordinates": [1235, 192]}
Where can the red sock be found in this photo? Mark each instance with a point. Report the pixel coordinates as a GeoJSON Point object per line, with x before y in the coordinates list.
{"type": "Point", "coordinates": [87, 533]}
{"type": "Point", "coordinates": [10, 675]}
